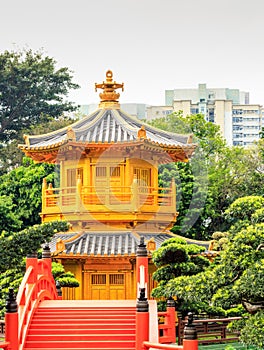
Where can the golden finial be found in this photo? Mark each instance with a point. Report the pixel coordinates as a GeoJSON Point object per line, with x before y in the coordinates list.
{"type": "Point", "coordinates": [109, 97]}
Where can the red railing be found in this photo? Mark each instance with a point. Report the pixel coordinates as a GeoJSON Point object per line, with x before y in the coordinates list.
{"type": "Point", "coordinates": [38, 284]}
{"type": "Point", "coordinates": [30, 295]}
{"type": "Point", "coordinates": [167, 329]}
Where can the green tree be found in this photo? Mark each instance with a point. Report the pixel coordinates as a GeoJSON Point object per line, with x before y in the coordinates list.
{"type": "Point", "coordinates": [18, 245]}
{"type": "Point", "coordinates": [31, 88]}
{"type": "Point", "coordinates": [214, 177]}
{"type": "Point", "coordinates": [66, 279]}
{"type": "Point", "coordinates": [23, 188]}
{"type": "Point", "coordinates": [194, 199]}
{"type": "Point", "coordinates": [234, 283]}
{"type": "Point", "coordinates": [176, 258]}
{"type": "Point", "coordinates": [32, 91]}
{"type": "Point", "coordinates": [234, 173]}
{"type": "Point", "coordinates": [9, 221]}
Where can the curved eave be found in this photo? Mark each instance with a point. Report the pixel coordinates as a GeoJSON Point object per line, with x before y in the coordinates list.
{"type": "Point", "coordinates": [49, 153]}
{"type": "Point", "coordinates": [46, 154]}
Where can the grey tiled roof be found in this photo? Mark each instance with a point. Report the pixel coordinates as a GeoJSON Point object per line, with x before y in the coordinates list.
{"type": "Point", "coordinates": [108, 126]}
{"type": "Point", "coordinates": [104, 244]}
{"type": "Point", "coordinates": [110, 243]}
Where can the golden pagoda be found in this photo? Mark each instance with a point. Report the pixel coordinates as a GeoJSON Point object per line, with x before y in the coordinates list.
{"type": "Point", "coordinates": [108, 190]}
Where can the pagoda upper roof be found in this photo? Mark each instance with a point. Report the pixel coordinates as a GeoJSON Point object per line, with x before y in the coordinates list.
{"type": "Point", "coordinates": [108, 125]}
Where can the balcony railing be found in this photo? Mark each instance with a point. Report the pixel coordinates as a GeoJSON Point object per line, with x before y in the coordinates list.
{"type": "Point", "coordinates": [131, 198]}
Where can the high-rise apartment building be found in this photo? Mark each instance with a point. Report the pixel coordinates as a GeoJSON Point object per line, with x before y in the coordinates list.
{"type": "Point", "coordinates": [239, 121]}
{"type": "Point", "coordinates": [202, 93]}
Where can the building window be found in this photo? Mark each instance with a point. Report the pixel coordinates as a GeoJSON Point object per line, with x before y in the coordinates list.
{"type": "Point", "coordinates": [237, 111]}
{"type": "Point", "coordinates": [115, 171]}
{"type": "Point", "coordinates": [99, 279]}
{"type": "Point", "coordinates": [100, 171]}
{"type": "Point", "coordinates": [116, 279]}
{"type": "Point", "coordinates": [143, 176]}
{"type": "Point", "coordinates": [73, 175]}
{"type": "Point", "coordinates": [237, 120]}
{"type": "Point", "coordinates": [238, 143]}
{"type": "Point", "coordinates": [194, 110]}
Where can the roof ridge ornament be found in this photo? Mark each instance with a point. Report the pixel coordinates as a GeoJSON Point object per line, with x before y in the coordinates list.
{"type": "Point", "coordinates": [142, 134]}
{"type": "Point", "coordinates": [71, 134]}
{"type": "Point", "coordinates": [109, 97]}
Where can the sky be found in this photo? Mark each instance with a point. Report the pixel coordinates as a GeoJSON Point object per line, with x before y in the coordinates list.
{"type": "Point", "coordinates": [150, 45]}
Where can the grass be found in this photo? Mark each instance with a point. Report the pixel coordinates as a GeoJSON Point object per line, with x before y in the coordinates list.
{"type": "Point", "coordinates": [237, 346]}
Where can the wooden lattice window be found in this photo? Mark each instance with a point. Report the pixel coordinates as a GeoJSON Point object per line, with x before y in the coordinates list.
{"type": "Point", "coordinates": [115, 171]}
{"type": "Point", "coordinates": [143, 176]}
{"type": "Point", "coordinates": [117, 278]}
{"type": "Point", "coordinates": [99, 279]}
{"type": "Point", "coordinates": [100, 171]}
{"type": "Point", "coordinates": [73, 175]}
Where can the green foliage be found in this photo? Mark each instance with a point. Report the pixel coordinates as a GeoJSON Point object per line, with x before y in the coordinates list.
{"type": "Point", "coordinates": [176, 259]}
{"type": "Point", "coordinates": [214, 178]}
{"type": "Point", "coordinates": [66, 279]}
{"type": "Point", "coordinates": [236, 279]}
{"type": "Point", "coordinates": [23, 188]}
{"type": "Point", "coordinates": [32, 95]}
{"type": "Point", "coordinates": [193, 198]}
{"type": "Point", "coordinates": [243, 209]}
{"type": "Point", "coordinates": [250, 285]}
{"type": "Point", "coordinates": [31, 88]}
{"type": "Point", "coordinates": [10, 278]}
{"type": "Point", "coordinates": [220, 240]}
{"type": "Point", "coordinates": [206, 134]}
{"type": "Point", "coordinates": [57, 269]}
{"type": "Point", "coordinates": [16, 246]}
{"type": "Point", "coordinates": [251, 329]}
{"type": "Point", "coordinates": [258, 216]}
{"type": "Point", "coordinates": [9, 220]}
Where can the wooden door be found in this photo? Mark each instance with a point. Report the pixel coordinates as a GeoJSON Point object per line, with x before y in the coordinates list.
{"type": "Point", "coordinates": [107, 286]}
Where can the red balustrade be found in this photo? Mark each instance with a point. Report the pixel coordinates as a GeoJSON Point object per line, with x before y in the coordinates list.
{"type": "Point", "coordinates": [38, 284]}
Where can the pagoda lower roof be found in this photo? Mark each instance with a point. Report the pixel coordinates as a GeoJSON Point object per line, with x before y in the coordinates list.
{"type": "Point", "coordinates": [103, 244]}
{"type": "Point", "coordinates": [107, 126]}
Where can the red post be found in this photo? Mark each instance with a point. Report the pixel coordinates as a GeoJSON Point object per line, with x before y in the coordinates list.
{"type": "Point", "coordinates": [142, 267]}
{"type": "Point", "coordinates": [190, 344]}
{"type": "Point", "coordinates": [32, 260]}
{"type": "Point", "coordinates": [142, 314]}
{"type": "Point", "coordinates": [190, 341]}
{"type": "Point", "coordinates": [59, 291]}
{"type": "Point", "coordinates": [172, 319]}
{"type": "Point", "coordinates": [142, 320]}
{"type": "Point", "coordinates": [11, 321]}
{"type": "Point", "coordinates": [47, 256]}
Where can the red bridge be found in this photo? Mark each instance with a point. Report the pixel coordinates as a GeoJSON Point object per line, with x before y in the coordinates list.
{"type": "Point", "coordinates": [37, 318]}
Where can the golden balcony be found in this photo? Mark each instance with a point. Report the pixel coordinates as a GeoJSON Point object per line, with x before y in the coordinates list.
{"type": "Point", "coordinates": [124, 206]}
